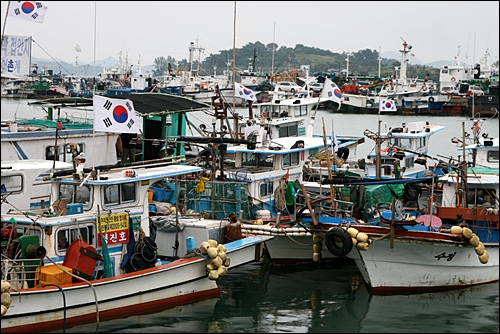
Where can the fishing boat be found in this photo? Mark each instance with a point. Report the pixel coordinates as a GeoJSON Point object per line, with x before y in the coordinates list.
{"type": "Point", "coordinates": [23, 186]}
{"type": "Point", "coordinates": [99, 253]}
{"type": "Point", "coordinates": [432, 245]}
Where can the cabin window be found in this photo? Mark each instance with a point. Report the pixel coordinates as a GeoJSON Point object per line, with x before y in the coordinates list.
{"type": "Point", "coordinates": [65, 236]}
{"type": "Point", "coordinates": [481, 197]}
{"type": "Point", "coordinates": [291, 159]}
{"type": "Point", "coordinates": [62, 153]}
{"type": "Point", "coordinates": [75, 194]}
{"type": "Point", "coordinates": [423, 142]}
{"type": "Point", "coordinates": [404, 143]}
{"type": "Point", "coordinates": [300, 110]}
{"type": "Point", "coordinates": [276, 111]}
{"type": "Point", "coordinates": [288, 131]}
{"type": "Point", "coordinates": [265, 160]}
{"type": "Point", "coordinates": [119, 194]}
{"type": "Point", "coordinates": [491, 157]}
{"type": "Point", "coordinates": [249, 159]}
{"type": "Point", "coordinates": [28, 230]}
{"type": "Point", "coordinates": [266, 189]}
{"type": "Point", "coordinates": [12, 183]}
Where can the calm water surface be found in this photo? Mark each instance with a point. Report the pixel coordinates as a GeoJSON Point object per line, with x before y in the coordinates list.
{"type": "Point", "coordinates": [261, 298]}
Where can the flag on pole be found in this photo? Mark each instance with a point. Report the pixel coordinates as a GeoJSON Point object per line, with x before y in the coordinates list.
{"type": "Point", "coordinates": [115, 115]}
{"type": "Point", "coordinates": [332, 92]}
{"type": "Point", "coordinates": [244, 93]}
{"type": "Point", "coordinates": [33, 11]}
{"type": "Point", "coordinates": [335, 143]}
{"type": "Point", "coordinates": [386, 105]}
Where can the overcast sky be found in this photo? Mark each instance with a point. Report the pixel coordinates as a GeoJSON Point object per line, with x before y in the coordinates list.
{"type": "Point", "coordinates": [150, 29]}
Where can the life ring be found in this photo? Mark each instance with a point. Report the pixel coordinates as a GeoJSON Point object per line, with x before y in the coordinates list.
{"type": "Point", "coordinates": [338, 241]}
{"type": "Point", "coordinates": [453, 79]}
{"type": "Point", "coordinates": [431, 99]}
{"type": "Point", "coordinates": [254, 81]}
{"type": "Point", "coordinates": [412, 192]}
{"type": "Point", "coordinates": [264, 114]}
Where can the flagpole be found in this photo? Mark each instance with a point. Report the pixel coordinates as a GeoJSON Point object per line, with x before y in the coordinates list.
{"type": "Point", "coordinates": [234, 54]}
{"type": "Point", "coordinates": [5, 20]}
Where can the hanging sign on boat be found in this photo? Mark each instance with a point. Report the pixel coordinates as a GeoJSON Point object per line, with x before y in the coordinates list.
{"type": "Point", "coordinates": [16, 56]}
{"type": "Point", "coordinates": [114, 227]}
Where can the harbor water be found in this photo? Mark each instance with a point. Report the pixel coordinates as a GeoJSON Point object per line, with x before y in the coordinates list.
{"type": "Point", "coordinates": [319, 298]}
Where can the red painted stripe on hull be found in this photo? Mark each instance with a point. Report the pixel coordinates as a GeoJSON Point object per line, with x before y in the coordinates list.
{"type": "Point", "coordinates": [138, 309]}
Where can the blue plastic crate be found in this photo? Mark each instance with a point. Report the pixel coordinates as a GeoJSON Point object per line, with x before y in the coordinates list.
{"type": "Point", "coordinates": [161, 195]}
{"type": "Point", "coordinates": [73, 209]}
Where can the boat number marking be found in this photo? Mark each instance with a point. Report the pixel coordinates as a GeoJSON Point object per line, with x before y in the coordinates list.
{"type": "Point", "coordinates": [443, 255]}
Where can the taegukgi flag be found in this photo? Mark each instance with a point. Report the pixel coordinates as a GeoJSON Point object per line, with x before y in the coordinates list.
{"type": "Point", "coordinates": [33, 11]}
{"type": "Point", "coordinates": [244, 93]}
{"type": "Point", "coordinates": [332, 92]}
{"type": "Point", "coordinates": [386, 105]}
{"type": "Point", "coordinates": [115, 115]}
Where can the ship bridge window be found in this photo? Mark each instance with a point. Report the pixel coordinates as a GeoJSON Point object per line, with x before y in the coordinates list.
{"type": "Point", "coordinates": [12, 183]}
{"type": "Point", "coordinates": [289, 130]}
{"type": "Point", "coordinates": [266, 189]}
{"type": "Point", "coordinates": [120, 194]}
{"type": "Point", "coordinates": [63, 154]}
{"type": "Point", "coordinates": [66, 236]}
{"type": "Point", "coordinates": [404, 143]}
{"type": "Point", "coordinates": [75, 194]}
{"type": "Point", "coordinates": [291, 159]}
{"type": "Point", "coordinates": [492, 156]}
{"type": "Point", "coordinates": [300, 110]}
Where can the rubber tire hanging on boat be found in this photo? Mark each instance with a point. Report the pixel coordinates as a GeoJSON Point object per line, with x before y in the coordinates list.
{"type": "Point", "coordinates": [338, 241]}
{"type": "Point", "coordinates": [431, 99]}
{"type": "Point", "coordinates": [412, 192]}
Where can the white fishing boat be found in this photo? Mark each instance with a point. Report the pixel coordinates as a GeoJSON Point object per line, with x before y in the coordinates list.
{"type": "Point", "coordinates": [100, 256]}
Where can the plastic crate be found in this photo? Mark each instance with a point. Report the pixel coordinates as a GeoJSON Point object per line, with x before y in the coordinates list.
{"type": "Point", "coordinates": [73, 209]}
{"type": "Point", "coordinates": [162, 195]}
{"type": "Point", "coordinates": [51, 274]}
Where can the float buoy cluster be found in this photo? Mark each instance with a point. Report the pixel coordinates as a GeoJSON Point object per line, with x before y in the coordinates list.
{"type": "Point", "coordinates": [219, 261]}
{"type": "Point", "coordinates": [6, 298]}
{"type": "Point", "coordinates": [317, 247]}
{"type": "Point", "coordinates": [258, 228]}
{"type": "Point", "coordinates": [473, 240]}
{"type": "Point", "coordinates": [359, 239]}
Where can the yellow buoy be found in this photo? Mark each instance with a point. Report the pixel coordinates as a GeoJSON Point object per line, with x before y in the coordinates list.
{"type": "Point", "coordinates": [467, 232]}
{"type": "Point", "coordinates": [352, 232]}
{"type": "Point", "coordinates": [222, 270]}
{"type": "Point", "coordinates": [213, 243]}
{"type": "Point", "coordinates": [362, 246]}
{"type": "Point", "coordinates": [317, 247]}
{"type": "Point", "coordinates": [479, 249]}
{"type": "Point", "coordinates": [354, 241]}
{"type": "Point", "coordinates": [204, 247]}
{"type": "Point", "coordinates": [362, 237]}
{"type": "Point", "coordinates": [317, 237]}
{"type": "Point", "coordinates": [456, 229]}
{"type": "Point", "coordinates": [221, 247]}
{"type": "Point", "coordinates": [213, 275]}
{"type": "Point", "coordinates": [227, 262]}
{"type": "Point", "coordinates": [484, 258]}
{"type": "Point", "coordinates": [474, 240]}
{"type": "Point", "coordinates": [316, 257]}
{"type": "Point", "coordinates": [212, 252]}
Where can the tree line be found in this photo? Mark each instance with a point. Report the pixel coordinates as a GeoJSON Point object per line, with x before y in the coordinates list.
{"type": "Point", "coordinates": [260, 58]}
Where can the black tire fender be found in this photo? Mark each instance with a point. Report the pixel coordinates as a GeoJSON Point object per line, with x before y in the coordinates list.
{"type": "Point", "coordinates": [338, 241]}
{"type": "Point", "coordinates": [431, 99]}
{"type": "Point", "coordinates": [412, 191]}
